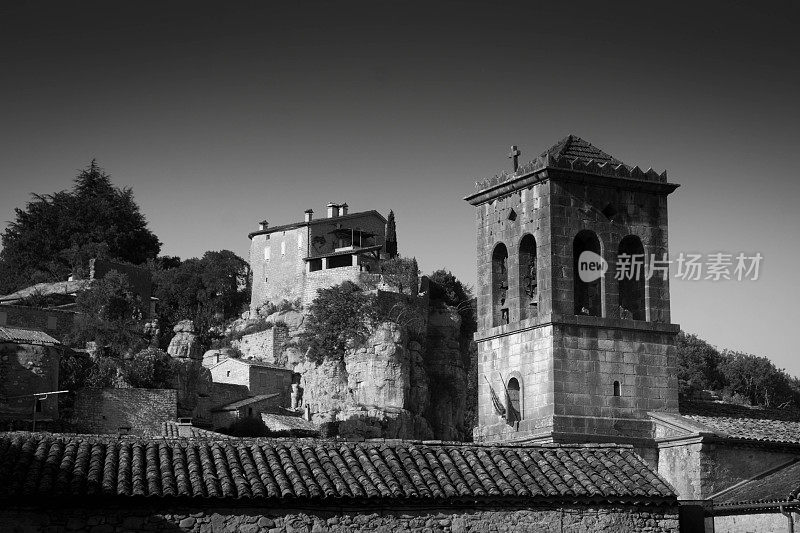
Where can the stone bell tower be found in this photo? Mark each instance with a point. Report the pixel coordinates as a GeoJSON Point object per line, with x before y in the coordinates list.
{"type": "Point", "coordinates": [566, 351]}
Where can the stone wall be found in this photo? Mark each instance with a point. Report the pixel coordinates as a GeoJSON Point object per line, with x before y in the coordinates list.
{"type": "Point", "coordinates": [698, 470]}
{"type": "Point", "coordinates": [323, 279]}
{"type": "Point", "coordinates": [755, 523]}
{"type": "Point", "coordinates": [26, 369]}
{"type": "Point", "coordinates": [211, 518]}
{"type": "Point", "coordinates": [54, 322]}
{"type": "Point", "coordinates": [106, 410]}
{"type": "Point", "coordinates": [264, 345]}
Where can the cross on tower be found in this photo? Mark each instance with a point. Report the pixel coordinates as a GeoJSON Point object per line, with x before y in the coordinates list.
{"type": "Point", "coordinates": [514, 156]}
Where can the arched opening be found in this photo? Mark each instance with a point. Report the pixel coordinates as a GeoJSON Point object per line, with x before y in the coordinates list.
{"type": "Point", "coordinates": [617, 389]}
{"type": "Point", "coordinates": [528, 287]}
{"type": "Point", "coordinates": [587, 274]}
{"type": "Point", "coordinates": [631, 275]}
{"type": "Point", "coordinates": [500, 285]}
{"type": "Point", "coordinates": [513, 405]}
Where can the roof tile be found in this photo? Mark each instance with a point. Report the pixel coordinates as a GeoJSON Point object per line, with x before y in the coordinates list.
{"type": "Point", "coordinates": [80, 465]}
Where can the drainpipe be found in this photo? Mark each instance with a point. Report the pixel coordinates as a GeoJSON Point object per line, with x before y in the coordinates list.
{"type": "Point", "coordinates": [788, 516]}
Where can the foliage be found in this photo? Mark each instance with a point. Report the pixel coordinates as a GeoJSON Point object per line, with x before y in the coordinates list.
{"type": "Point", "coordinates": [339, 316]}
{"type": "Point", "coordinates": [149, 369]}
{"type": "Point", "coordinates": [698, 364]}
{"type": "Point", "coordinates": [401, 273]}
{"type": "Point", "coordinates": [209, 291]}
{"type": "Point", "coordinates": [56, 234]}
{"type": "Point", "coordinates": [391, 236]}
{"type": "Point", "coordinates": [282, 306]}
{"type": "Point", "coordinates": [74, 370]}
{"type": "Point", "coordinates": [110, 315]}
{"type": "Point", "coordinates": [247, 427]}
{"type": "Point", "coordinates": [739, 377]}
{"type": "Point", "coordinates": [104, 373]}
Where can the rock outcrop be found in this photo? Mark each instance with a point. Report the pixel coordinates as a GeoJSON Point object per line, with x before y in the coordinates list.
{"type": "Point", "coordinates": [184, 343]}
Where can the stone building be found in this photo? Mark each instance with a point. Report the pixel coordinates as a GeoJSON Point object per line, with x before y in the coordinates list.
{"type": "Point", "coordinates": [29, 364]}
{"type": "Point", "coordinates": [98, 484]}
{"type": "Point", "coordinates": [576, 359]}
{"type": "Point", "coordinates": [291, 261]}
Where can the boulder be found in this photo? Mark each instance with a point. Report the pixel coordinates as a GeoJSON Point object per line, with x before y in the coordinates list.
{"type": "Point", "coordinates": [184, 344]}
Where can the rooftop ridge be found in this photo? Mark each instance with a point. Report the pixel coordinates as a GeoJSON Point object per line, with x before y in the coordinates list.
{"type": "Point", "coordinates": [561, 156]}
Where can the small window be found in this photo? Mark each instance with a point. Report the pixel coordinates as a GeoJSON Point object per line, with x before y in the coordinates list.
{"type": "Point", "coordinates": [38, 405]}
{"type": "Point", "coordinates": [617, 389]}
{"type": "Point", "coordinates": [52, 322]}
{"type": "Point", "coordinates": [283, 247]}
{"type": "Point", "coordinates": [3, 318]}
{"type": "Point", "coordinates": [228, 374]}
{"type": "Point", "coordinates": [266, 253]}
{"type": "Point", "coordinates": [250, 412]}
{"type": "Point", "coordinates": [299, 241]}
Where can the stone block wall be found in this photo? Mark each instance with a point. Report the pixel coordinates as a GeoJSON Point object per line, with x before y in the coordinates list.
{"type": "Point", "coordinates": [264, 345]}
{"type": "Point", "coordinates": [282, 276]}
{"type": "Point", "coordinates": [54, 322]}
{"type": "Point", "coordinates": [212, 518]}
{"type": "Point", "coordinates": [106, 410]}
{"type": "Point", "coordinates": [323, 279]}
{"type": "Point", "coordinates": [27, 369]}
{"type": "Point", "coordinates": [755, 523]}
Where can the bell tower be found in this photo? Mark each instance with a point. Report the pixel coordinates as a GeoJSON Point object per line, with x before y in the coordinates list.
{"type": "Point", "coordinates": [574, 336]}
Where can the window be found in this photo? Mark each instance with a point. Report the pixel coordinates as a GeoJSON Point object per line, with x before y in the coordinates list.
{"type": "Point", "coordinates": [528, 286]}
{"type": "Point", "coordinates": [617, 389]}
{"type": "Point", "coordinates": [266, 253]}
{"type": "Point", "coordinates": [631, 287]}
{"type": "Point", "coordinates": [283, 247]}
{"type": "Point", "coordinates": [52, 322]}
{"type": "Point", "coordinates": [587, 295]}
{"type": "Point", "coordinates": [299, 241]}
{"type": "Point", "coordinates": [38, 405]}
{"type": "Point", "coordinates": [513, 401]}
{"type": "Point", "coordinates": [228, 373]}
{"type": "Point", "coordinates": [3, 318]}
{"type": "Point", "coordinates": [500, 285]}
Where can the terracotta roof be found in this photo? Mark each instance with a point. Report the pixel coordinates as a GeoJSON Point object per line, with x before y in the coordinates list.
{"type": "Point", "coordinates": [26, 336]}
{"type": "Point", "coordinates": [574, 147]}
{"type": "Point", "coordinates": [290, 425]}
{"type": "Point", "coordinates": [777, 485]}
{"type": "Point", "coordinates": [44, 289]}
{"type": "Point", "coordinates": [310, 469]}
{"type": "Point", "coordinates": [295, 225]}
{"type": "Point", "coordinates": [169, 429]}
{"type": "Point", "coordinates": [252, 362]}
{"type": "Point", "coordinates": [745, 422]}
{"type": "Point", "coordinates": [245, 401]}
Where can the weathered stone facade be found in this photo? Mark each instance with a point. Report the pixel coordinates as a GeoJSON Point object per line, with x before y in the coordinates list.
{"type": "Point", "coordinates": [55, 322]}
{"type": "Point", "coordinates": [284, 259]}
{"type": "Point", "coordinates": [585, 369]}
{"type": "Point", "coordinates": [511, 517]}
{"type": "Point", "coordinates": [26, 369]}
{"type": "Point", "coordinates": [140, 411]}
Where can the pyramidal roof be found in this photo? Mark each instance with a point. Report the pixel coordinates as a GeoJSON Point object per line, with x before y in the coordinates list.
{"type": "Point", "coordinates": [573, 154]}
{"type": "Point", "coordinates": [574, 147]}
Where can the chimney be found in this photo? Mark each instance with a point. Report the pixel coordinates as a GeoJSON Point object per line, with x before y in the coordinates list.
{"type": "Point", "coordinates": [184, 427]}
{"type": "Point", "coordinates": [343, 208]}
{"type": "Point", "coordinates": [333, 210]}
{"type": "Point", "coordinates": [309, 215]}
{"type": "Point", "coordinates": [263, 225]}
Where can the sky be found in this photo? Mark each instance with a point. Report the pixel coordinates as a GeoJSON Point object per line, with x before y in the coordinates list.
{"type": "Point", "coordinates": [220, 115]}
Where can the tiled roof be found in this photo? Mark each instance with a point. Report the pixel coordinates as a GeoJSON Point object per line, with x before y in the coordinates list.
{"type": "Point", "coordinates": [252, 362]}
{"type": "Point", "coordinates": [573, 147]}
{"type": "Point", "coordinates": [312, 469]}
{"type": "Point", "coordinates": [245, 401]}
{"type": "Point", "coordinates": [290, 425]}
{"type": "Point", "coordinates": [45, 289]}
{"type": "Point", "coordinates": [573, 154]}
{"type": "Point", "coordinates": [169, 429]}
{"type": "Point", "coordinates": [744, 422]}
{"type": "Point", "coordinates": [26, 336]}
{"type": "Point", "coordinates": [777, 485]}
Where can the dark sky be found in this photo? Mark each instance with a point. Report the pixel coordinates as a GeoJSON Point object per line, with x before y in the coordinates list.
{"type": "Point", "coordinates": [219, 116]}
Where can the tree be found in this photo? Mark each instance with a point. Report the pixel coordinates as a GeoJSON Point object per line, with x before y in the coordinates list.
{"type": "Point", "coordinates": [110, 315]}
{"type": "Point", "coordinates": [757, 379]}
{"type": "Point", "coordinates": [339, 316]}
{"type": "Point", "coordinates": [698, 364]}
{"type": "Point", "coordinates": [209, 291]}
{"type": "Point", "coordinates": [56, 234]}
{"type": "Point", "coordinates": [150, 369]}
{"type": "Point", "coordinates": [391, 236]}
{"type": "Point", "coordinates": [401, 273]}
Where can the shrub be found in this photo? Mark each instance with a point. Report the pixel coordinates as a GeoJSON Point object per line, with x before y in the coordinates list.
{"type": "Point", "coordinates": [149, 369]}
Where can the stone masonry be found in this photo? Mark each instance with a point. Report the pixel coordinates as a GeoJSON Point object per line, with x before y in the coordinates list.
{"type": "Point", "coordinates": [587, 371]}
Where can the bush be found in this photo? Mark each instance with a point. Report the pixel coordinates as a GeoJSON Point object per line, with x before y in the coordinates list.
{"type": "Point", "coordinates": [401, 273]}
{"type": "Point", "coordinates": [149, 369]}
{"type": "Point", "coordinates": [338, 316]}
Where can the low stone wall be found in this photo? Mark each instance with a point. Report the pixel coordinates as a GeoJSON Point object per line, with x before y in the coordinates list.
{"type": "Point", "coordinates": [106, 410]}
{"type": "Point", "coordinates": [320, 519]}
